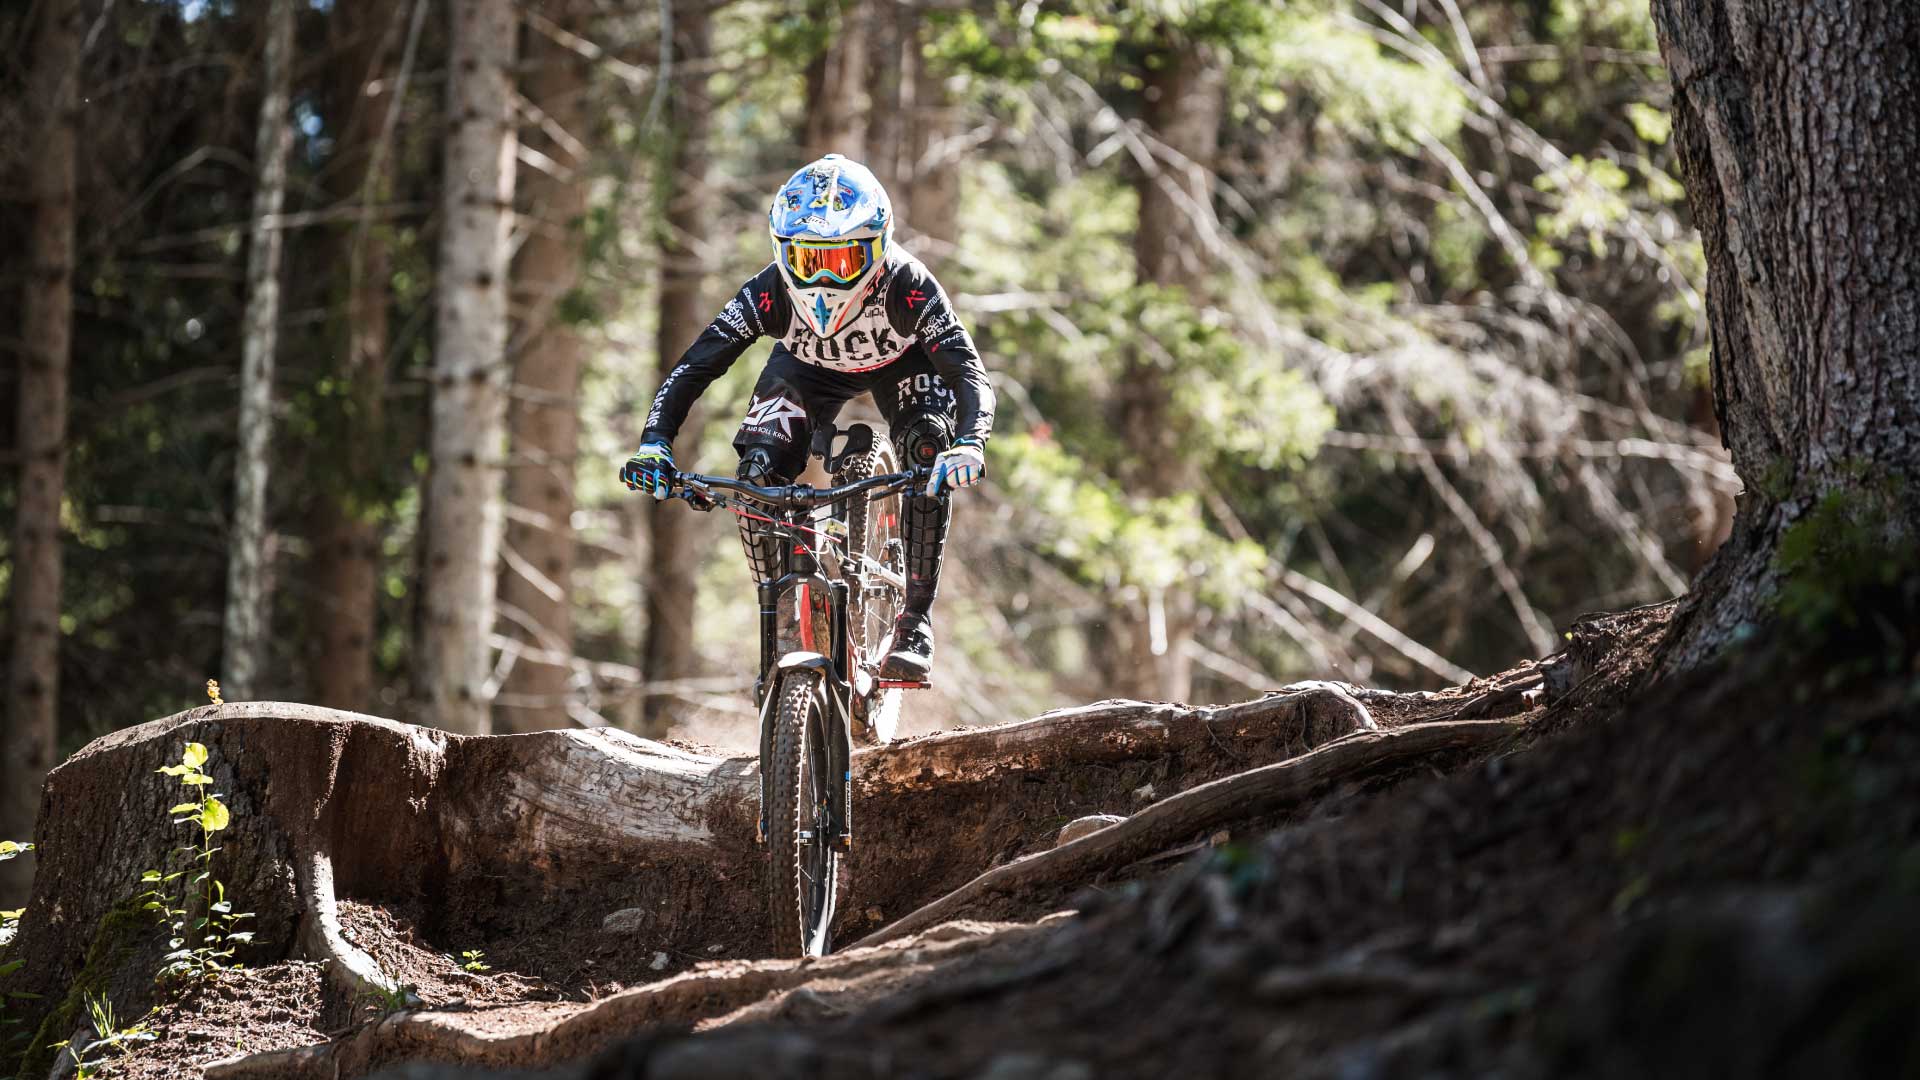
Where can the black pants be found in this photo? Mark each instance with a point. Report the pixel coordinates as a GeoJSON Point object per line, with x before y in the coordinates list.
{"type": "Point", "coordinates": [791, 398]}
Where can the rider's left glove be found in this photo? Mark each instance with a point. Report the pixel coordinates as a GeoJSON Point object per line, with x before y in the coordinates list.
{"type": "Point", "coordinates": [650, 469]}
{"type": "Point", "coordinates": [962, 466]}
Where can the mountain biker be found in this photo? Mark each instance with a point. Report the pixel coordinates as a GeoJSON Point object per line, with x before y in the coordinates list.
{"type": "Point", "coordinates": [849, 312]}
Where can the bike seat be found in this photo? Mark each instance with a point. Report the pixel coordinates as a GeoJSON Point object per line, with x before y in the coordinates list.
{"type": "Point", "coordinates": [859, 440]}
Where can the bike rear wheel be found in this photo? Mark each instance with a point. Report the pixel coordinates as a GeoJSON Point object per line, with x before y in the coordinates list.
{"type": "Point", "coordinates": [876, 556]}
{"type": "Point", "coordinates": [802, 879]}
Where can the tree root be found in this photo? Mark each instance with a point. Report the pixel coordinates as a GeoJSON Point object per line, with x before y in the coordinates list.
{"type": "Point", "coordinates": [349, 969]}
{"type": "Point", "coordinates": [544, 1035]}
{"type": "Point", "coordinates": [1255, 793]}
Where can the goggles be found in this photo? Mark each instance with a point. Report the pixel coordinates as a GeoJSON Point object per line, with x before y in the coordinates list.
{"type": "Point", "coordinates": [840, 262]}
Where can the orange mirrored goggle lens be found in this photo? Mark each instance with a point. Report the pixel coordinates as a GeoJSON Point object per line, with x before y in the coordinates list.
{"type": "Point", "coordinates": [841, 262]}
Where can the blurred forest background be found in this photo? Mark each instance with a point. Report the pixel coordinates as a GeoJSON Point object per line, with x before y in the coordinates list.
{"type": "Point", "coordinates": [1354, 339]}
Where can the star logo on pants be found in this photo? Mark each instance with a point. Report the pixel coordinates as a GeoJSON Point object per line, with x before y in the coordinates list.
{"type": "Point", "coordinates": [775, 412]}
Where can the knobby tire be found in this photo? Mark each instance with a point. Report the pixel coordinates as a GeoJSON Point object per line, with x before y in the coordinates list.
{"type": "Point", "coordinates": [870, 615]}
{"type": "Point", "coordinates": [802, 913]}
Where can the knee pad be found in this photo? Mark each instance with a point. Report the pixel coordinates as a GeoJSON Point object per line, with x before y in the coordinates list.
{"type": "Point", "coordinates": [758, 465]}
{"type": "Point", "coordinates": [922, 438]}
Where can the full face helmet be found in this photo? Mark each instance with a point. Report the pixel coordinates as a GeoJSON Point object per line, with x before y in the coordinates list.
{"type": "Point", "coordinates": [831, 224]}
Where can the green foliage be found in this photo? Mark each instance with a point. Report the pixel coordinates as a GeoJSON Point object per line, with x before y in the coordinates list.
{"type": "Point", "coordinates": [1361, 87]}
{"type": "Point", "coordinates": [1112, 538]}
{"type": "Point", "coordinates": [474, 961]}
{"type": "Point", "coordinates": [200, 919]}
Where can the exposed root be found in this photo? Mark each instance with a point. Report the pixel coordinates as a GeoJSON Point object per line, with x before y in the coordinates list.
{"type": "Point", "coordinates": [349, 969]}
{"type": "Point", "coordinates": [1255, 793]}
{"type": "Point", "coordinates": [544, 1035]}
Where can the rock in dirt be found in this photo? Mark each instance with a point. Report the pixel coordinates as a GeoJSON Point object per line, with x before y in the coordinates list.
{"type": "Point", "coordinates": [1079, 827]}
{"type": "Point", "coordinates": [631, 920]}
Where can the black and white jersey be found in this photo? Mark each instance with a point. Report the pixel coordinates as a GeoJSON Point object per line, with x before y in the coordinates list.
{"type": "Point", "coordinates": [906, 311]}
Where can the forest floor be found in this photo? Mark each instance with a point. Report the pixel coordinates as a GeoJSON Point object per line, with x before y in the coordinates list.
{"type": "Point", "coordinates": [1707, 880]}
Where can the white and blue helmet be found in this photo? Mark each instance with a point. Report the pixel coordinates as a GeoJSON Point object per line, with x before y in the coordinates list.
{"type": "Point", "coordinates": [831, 225]}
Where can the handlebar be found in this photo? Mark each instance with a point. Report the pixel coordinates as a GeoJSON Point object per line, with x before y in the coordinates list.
{"type": "Point", "coordinates": [793, 496]}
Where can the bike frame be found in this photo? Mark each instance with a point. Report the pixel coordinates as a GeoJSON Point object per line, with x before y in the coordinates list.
{"type": "Point", "coordinates": [800, 574]}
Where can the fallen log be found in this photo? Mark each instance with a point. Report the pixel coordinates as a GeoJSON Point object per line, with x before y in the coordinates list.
{"type": "Point", "coordinates": [541, 836]}
{"type": "Point", "coordinates": [1253, 794]}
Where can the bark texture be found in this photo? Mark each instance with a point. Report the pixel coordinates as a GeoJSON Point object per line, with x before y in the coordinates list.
{"type": "Point", "coordinates": [30, 728]}
{"type": "Point", "coordinates": [671, 572]}
{"type": "Point", "coordinates": [464, 509]}
{"type": "Point", "coordinates": [1186, 96]}
{"type": "Point", "coordinates": [248, 615]}
{"type": "Point", "coordinates": [543, 418]}
{"type": "Point", "coordinates": [344, 567]}
{"type": "Point", "coordinates": [1796, 131]}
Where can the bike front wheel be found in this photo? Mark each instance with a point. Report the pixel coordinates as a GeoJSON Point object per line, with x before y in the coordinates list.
{"type": "Point", "coordinates": [802, 877]}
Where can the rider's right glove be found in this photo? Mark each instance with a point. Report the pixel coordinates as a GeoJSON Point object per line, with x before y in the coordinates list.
{"type": "Point", "coordinates": [650, 469]}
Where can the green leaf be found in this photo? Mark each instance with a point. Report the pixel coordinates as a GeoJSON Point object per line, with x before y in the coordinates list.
{"type": "Point", "coordinates": [195, 756]}
{"type": "Point", "coordinates": [184, 808]}
{"type": "Point", "coordinates": [13, 914]}
{"type": "Point", "coordinates": [13, 849]}
{"type": "Point", "coordinates": [197, 779]}
{"type": "Point", "coordinates": [214, 815]}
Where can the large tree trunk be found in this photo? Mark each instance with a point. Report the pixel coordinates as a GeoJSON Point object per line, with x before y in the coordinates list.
{"type": "Point", "coordinates": [464, 506]}
{"type": "Point", "coordinates": [343, 570]}
{"type": "Point", "coordinates": [543, 418]}
{"type": "Point", "coordinates": [548, 834]}
{"type": "Point", "coordinates": [890, 28]}
{"type": "Point", "coordinates": [672, 568]}
{"type": "Point", "coordinates": [29, 733]}
{"type": "Point", "coordinates": [1795, 128]}
{"type": "Point", "coordinates": [1186, 95]}
{"type": "Point", "coordinates": [248, 615]}
{"type": "Point", "coordinates": [930, 208]}
{"type": "Point", "coordinates": [837, 106]}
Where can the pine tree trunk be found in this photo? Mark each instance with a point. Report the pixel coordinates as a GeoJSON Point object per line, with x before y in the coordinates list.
{"type": "Point", "coordinates": [932, 207]}
{"type": "Point", "coordinates": [343, 571]}
{"type": "Point", "coordinates": [248, 615]}
{"type": "Point", "coordinates": [543, 417]}
{"type": "Point", "coordinates": [464, 508]}
{"type": "Point", "coordinates": [1186, 96]}
{"type": "Point", "coordinates": [673, 563]}
{"type": "Point", "coordinates": [29, 724]}
{"type": "Point", "coordinates": [836, 91]}
{"type": "Point", "coordinates": [1795, 128]}
{"type": "Point", "coordinates": [889, 26]}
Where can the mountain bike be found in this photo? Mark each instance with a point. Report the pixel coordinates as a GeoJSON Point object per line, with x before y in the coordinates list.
{"type": "Point", "coordinates": [825, 620]}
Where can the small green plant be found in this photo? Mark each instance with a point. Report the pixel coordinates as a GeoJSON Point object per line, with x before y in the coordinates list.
{"type": "Point", "coordinates": [201, 919]}
{"type": "Point", "coordinates": [109, 1039]}
{"type": "Point", "coordinates": [473, 960]}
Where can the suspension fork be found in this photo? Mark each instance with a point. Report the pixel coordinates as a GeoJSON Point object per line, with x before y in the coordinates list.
{"type": "Point", "coordinates": [840, 718]}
